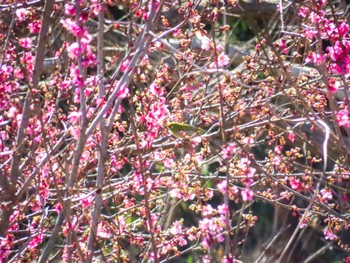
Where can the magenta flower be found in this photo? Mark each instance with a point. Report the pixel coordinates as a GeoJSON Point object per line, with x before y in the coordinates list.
{"type": "Point", "coordinates": [343, 118]}
{"type": "Point", "coordinates": [26, 42]}
{"type": "Point", "coordinates": [228, 151]}
{"type": "Point", "coordinates": [123, 92]}
{"type": "Point", "coordinates": [125, 65]}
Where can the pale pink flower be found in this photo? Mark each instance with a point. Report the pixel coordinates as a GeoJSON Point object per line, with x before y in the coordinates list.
{"type": "Point", "coordinates": [276, 160]}
{"type": "Point", "coordinates": [228, 151]}
{"type": "Point", "coordinates": [222, 186]}
{"type": "Point", "coordinates": [176, 229]}
{"type": "Point", "coordinates": [21, 14]}
{"type": "Point", "coordinates": [102, 231]}
{"type": "Point", "coordinates": [208, 210]}
{"type": "Point", "coordinates": [223, 60]}
{"type": "Point", "coordinates": [223, 209]}
{"type": "Point", "coordinates": [205, 42]}
{"type": "Point", "coordinates": [326, 194]}
{"type": "Point", "coordinates": [206, 259]}
{"type": "Point", "coordinates": [182, 241]}
{"type": "Point", "coordinates": [247, 194]}
{"type": "Point", "coordinates": [12, 113]}
{"type": "Point", "coordinates": [74, 117]}
{"type": "Point", "coordinates": [329, 234]}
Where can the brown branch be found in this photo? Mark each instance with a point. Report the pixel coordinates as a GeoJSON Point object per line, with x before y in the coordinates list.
{"type": "Point", "coordinates": [15, 172]}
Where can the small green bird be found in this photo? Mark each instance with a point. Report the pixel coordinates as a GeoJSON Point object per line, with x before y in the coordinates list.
{"type": "Point", "coordinates": [182, 130]}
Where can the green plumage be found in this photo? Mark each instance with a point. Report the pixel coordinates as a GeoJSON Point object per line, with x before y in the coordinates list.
{"type": "Point", "coordinates": [182, 130]}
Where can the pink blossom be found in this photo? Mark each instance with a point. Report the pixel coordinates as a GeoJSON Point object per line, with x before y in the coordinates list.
{"type": "Point", "coordinates": [304, 11]}
{"type": "Point", "coordinates": [276, 160]}
{"type": "Point", "coordinates": [87, 201]}
{"type": "Point", "coordinates": [205, 42]}
{"type": "Point", "coordinates": [158, 45]}
{"type": "Point", "coordinates": [342, 28]}
{"type": "Point", "coordinates": [248, 140]}
{"type": "Point", "coordinates": [5, 248]}
{"type": "Point", "coordinates": [182, 241]}
{"type": "Point", "coordinates": [102, 231]}
{"type": "Point", "coordinates": [69, 9]}
{"type": "Point", "coordinates": [291, 136]}
{"type": "Point", "coordinates": [212, 230]}
{"type": "Point", "coordinates": [176, 229]}
{"type": "Point", "coordinates": [35, 241]}
{"type": "Point", "coordinates": [125, 65]}
{"type": "Point", "coordinates": [228, 151]}
{"type": "Point", "coordinates": [295, 184]}
{"type": "Point", "coordinates": [5, 72]}
{"type": "Point", "coordinates": [77, 80]}
{"type": "Point", "coordinates": [206, 259]}
{"type": "Point", "coordinates": [28, 59]}
{"type": "Point", "coordinates": [310, 33]}
{"type": "Point", "coordinates": [34, 26]}
{"type": "Point", "coordinates": [21, 14]}
{"type": "Point", "coordinates": [12, 113]}
{"type": "Point", "coordinates": [26, 42]}
{"type": "Point", "coordinates": [333, 85]}
{"type": "Point", "coordinates": [247, 194]}
{"type": "Point", "coordinates": [228, 259]}
{"type": "Point", "coordinates": [343, 118]}
{"type": "Point", "coordinates": [73, 28]}
{"type": "Point", "coordinates": [339, 51]}
{"type": "Point", "coordinates": [155, 89]}
{"type": "Point", "coordinates": [278, 149]}
{"type": "Point", "coordinates": [281, 44]}
{"type": "Point", "coordinates": [315, 58]}
{"type": "Point", "coordinates": [326, 194]}
{"type": "Point", "coordinates": [18, 73]}
{"type": "Point", "coordinates": [336, 69]}
{"type": "Point", "coordinates": [223, 209]}
{"type": "Point", "coordinates": [74, 50]}
{"type": "Point", "coordinates": [145, 61]}
{"type": "Point", "coordinates": [123, 92]}
{"type": "Point", "coordinates": [168, 162]}
{"type": "Point", "coordinates": [222, 186]}
{"type": "Point", "coordinates": [75, 132]}
{"type": "Point", "coordinates": [223, 60]}
{"type": "Point", "coordinates": [329, 234]}
{"type": "Point", "coordinates": [74, 117]}
{"type": "Point", "coordinates": [58, 207]}
{"type": "Point", "coordinates": [316, 17]}
{"type": "Point", "coordinates": [207, 211]}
